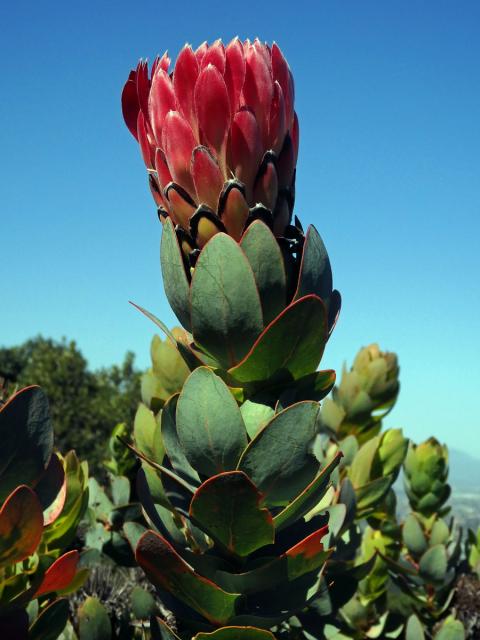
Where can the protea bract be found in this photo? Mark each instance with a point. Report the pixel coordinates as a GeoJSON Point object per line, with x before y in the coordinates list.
{"type": "Point", "coordinates": [219, 137]}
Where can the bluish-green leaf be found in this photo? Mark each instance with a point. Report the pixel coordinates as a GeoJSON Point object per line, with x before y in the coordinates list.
{"type": "Point", "coordinates": [26, 434]}
{"type": "Point", "coordinates": [225, 304]}
{"type": "Point", "coordinates": [228, 507]}
{"type": "Point", "coordinates": [278, 459]}
{"type": "Point", "coordinates": [315, 270]}
{"type": "Point", "coordinates": [290, 347]}
{"type": "Point", "coordinates": [209, 424]}
{"type": "Point", "coordinates": [174, 277]}
{"type": "Point", "coordinates": [266, 259]}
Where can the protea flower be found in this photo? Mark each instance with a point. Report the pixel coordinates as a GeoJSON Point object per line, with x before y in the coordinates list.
{"type": "Point", "coordinates": [219, 137]}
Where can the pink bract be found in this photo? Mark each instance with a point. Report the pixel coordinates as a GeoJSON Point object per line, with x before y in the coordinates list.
{"type": "Point", "coordinates": [219, 137]}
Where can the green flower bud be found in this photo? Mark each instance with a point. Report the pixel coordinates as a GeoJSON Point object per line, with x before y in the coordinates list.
{"type": "Point", "coordinates": [426, 475]}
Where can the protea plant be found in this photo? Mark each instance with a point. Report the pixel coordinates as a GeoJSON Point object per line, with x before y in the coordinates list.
{"type": "Point", "coordinates": [229, 473]}
{"type": "Point", "coordinates": [219, 137]}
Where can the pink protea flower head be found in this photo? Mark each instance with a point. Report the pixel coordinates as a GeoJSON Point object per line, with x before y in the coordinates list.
{"type": "Point", "coordinates": [219, 137]}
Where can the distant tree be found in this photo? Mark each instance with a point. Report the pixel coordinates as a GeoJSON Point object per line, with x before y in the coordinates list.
{"type": "Point", "coordinates": [85, 405]}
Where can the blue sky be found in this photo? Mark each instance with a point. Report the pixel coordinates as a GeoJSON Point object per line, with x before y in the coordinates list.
{"type": "Point", "coordinates": [388, 97]}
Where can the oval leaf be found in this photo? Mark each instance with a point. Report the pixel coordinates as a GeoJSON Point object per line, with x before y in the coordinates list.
{"type": "Point", "coordinates": [225, 304]}
{"type": "Point", "coordinates": [290, 347]}
{"type": "Point", "coordinates": [21, 526]}
{"type": "Point", "coordinates": [175, 279]}
{"type": "Point", "coordinates": [278, 459]}
{"type": "Point", "coordinates": [168, 571]}
{"type": "Point", "coordinates": [26, 434]}
{"type": "Point", "coordinates": [209, 424]}
{"type": "Point", "coordinates": [60, 574]}
{"type": "Point", "coordinates": [266, 259]}
{"type": "Point", "coordinates": [315, 270]}
{"type": "Point", "coordinates": [227, 507]}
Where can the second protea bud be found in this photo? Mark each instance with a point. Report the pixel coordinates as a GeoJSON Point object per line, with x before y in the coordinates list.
{"type": "Point", "coordinates": [219, 137]}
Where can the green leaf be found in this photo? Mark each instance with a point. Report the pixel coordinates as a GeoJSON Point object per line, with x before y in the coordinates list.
{"type": "Point", "coordinates": [120, 486]}
{"type": "Point", "coordinates": [143, 603]}
{"type": "Point", "coordinates": [51, 622]}
{"type": "Point", "coordinates": [266, 259]}
{"type": "Point", "coordinates": [147, 434]}
{"type": "Point", "coordinates": [172, 444]}
{"type": "Point", "coordinates": [93, 621]}
{"type": "Point", "coordinates": [413, 535]}
{"type": "Point", "coordinates": [315, 270]}
{"type": "Point", "coordinates": [440, 532]}
{"type": "Point", "coordinates": [278, 459]}
{"type": "Point", "coordinates": [133, 532]}
{"type": "Point", "coordinates": [314, 386]}
{"type": "Point", "coordinates": [227, 507]}
{"type": "Point", "coordinates": [308, 498]}
{"type": "Point", "coordinates": [451, 630]}
{"type": "Point", "coordinates": [175, 279]}
{"type": "Point", "coordinates": [371, 493]}
{"type": "Point", "coordinates": [302, 558]}
{"type": "Point", "coordinates": [225, 304]}
{"type": "Point", "coordinates": [209, 423]}
{"type": "Point", "coordinates": [168, 571]}
{"type": "Point", "coordinates": [290, 347]}
{"type": "Point", "coordinates": [236, 633]}
{"type": "Point", "coordinates": [414, 629]}
{"type": "Point", "coordinates": [21, 526]}
{"type": "Point", "coordinates": [360, 473]}
{"type": "Point", "coordinates": [26, 435]}
{"type": "Point", "coordinates": [255, 416]}
{"type": "Point", "coordinates": [433, 564]}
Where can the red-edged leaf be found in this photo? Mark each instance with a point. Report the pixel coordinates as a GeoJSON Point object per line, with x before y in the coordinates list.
{"type": "Point", "coordinates": [178, 143]}
{"type": "Point", "coordinates": [60, 574]}
{"type": "Point", "coordinates": [52, 489]}
{"type": "Point", "coordinates": [236, 633]}
{"type": "Point", "coordinates": [234, 72]}
{"type": "Point", "coordinates": [213, 110]}
{"type": "Point", "coordinates": [207, 177]}
{"type": "Point", "coordinates": [308, 498]}
{"type": "Point", "coordinates": [291, 344]}
{"type": "Point", "coordinates": [167, 570]}
{"type": "Point", "coordinates": [160, 101]}
{"type": "Point", "coordinates": [228, 508]}
{"type": "Point", "coordinates": [184, 79]}
{"type": "Point", "coordinates": [21, 525]}
{"type": "Point", "coordinates": [307, 555]}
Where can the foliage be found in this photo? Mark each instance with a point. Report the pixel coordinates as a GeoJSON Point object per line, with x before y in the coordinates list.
{"type": "Point", "coordinates": [85, 405]}
{"type": "Point", "coordinates": [43, 497]}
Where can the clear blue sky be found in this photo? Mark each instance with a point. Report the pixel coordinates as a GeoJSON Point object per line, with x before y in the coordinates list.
{"type": "Point", "coordinates": [388, 95]}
